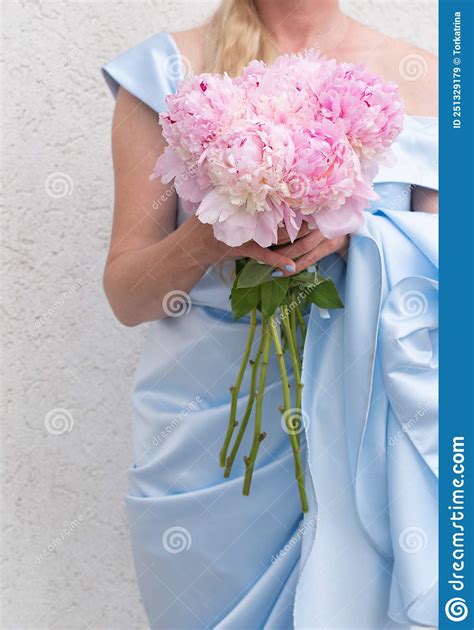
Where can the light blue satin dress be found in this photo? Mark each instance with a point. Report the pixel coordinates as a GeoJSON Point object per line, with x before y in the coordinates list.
{"type": "Point", "coordinates": [365, 556]}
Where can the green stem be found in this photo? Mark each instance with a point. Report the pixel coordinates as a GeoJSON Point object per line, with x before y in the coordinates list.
{"type": "Point", "coordinates": [290, 331]}
{"type": "Point", "coordinates": [235, 389]}
{"type": "Point", "coordinates": [299, 393]}
{"type": "Point", "coordinates": [294, 332]}
{"type": "Point", "coordinates": [287, 412]}
{"type": "Point", "coordinates": [258, 436]}
{"type": "Point", "coordinates": [301, 323]}
{"type": "Point", "coordinates": [294, 355]}
{"type": "Point", "coordinates": [248, 410]}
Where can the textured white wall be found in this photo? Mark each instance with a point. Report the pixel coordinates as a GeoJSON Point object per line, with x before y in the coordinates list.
{"type": "Point", "coordinates": [67, 434]}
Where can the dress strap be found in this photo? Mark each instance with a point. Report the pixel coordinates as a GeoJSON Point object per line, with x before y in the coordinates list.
{"type": "Point", "coordinates": [150, 71]}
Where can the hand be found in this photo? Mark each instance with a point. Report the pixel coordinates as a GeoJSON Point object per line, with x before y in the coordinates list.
{"type": "Point", "coordinates": [215, 252]}
{"type": "Point", "coordinates": [311, 247]}
{"type": "Point", "coordinates": [288, 258]}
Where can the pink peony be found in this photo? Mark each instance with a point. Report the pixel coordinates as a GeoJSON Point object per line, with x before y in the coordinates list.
{"type": "Point", "coordinates": [295, 141]}
{"type": "Point", "coordinates": [202, 106]}
{"type": "Point", "coordinates": [368, 109]}
{"type": "Point", "coordinates": [248, 168]}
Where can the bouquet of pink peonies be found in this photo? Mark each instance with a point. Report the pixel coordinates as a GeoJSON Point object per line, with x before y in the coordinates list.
{"type": "Point", "coordinates": [296, 141]}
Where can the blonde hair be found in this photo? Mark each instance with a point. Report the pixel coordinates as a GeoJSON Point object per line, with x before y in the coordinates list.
{"type": "Point", "coordinates": [236, 36]}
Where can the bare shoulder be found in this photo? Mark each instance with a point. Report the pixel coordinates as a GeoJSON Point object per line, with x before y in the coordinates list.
{"type": "Point", "coordinates": [416, 72]}
{"type": "Point", "coordinates": [414, 69]}
{"type": "Point", "coordinates": [190, 46]}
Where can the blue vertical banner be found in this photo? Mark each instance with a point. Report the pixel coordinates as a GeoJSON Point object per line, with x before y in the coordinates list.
{"type": "Point", "coordinates": [456, 508]}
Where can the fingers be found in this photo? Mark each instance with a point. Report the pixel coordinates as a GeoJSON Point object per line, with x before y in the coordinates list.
{"type": "Point", "coordinates": [283, 237]}
{"type": "Point", "coordinates": [325, 248]}
{"type": "Point", "coordinates": [303, 245]}
{"type": "Point", "coordinates": [300, 255]}
{"type": "Point", "coordinates": [285, 264]}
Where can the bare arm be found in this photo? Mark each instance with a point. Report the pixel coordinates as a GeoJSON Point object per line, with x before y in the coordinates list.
{"type": "Point", "coordinates": [149, 258]}
{"type": "Point", "coordinates": [424, 200]}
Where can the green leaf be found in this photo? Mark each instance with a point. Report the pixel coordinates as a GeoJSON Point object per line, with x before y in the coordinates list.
{"type": "Point", "coordinates": [244, 300]}
{"type": "Point", "coordinates": [273, 294]}
{"type": "Point", "coordinates": [254, 274]}
{"type": "Point", "coordinates": [325, 295]}
{"type": "Point", "coordinates": [240, 264]}
{"type": "Point", "coordinates": [306, 278]}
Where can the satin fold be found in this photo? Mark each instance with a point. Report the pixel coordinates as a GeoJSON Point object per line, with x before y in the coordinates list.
{"type": "Point", "coordinates": [372, 439]}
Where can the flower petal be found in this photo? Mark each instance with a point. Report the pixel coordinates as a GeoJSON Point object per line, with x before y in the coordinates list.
{"type": "Point", "coordinates": [237, 229]}
{"type": "Point", "coordinates": [211, 207]}
{"type": "Point", "coordinates": [344, 220]}
{"type": "Point", "coordinates": [168, 166]}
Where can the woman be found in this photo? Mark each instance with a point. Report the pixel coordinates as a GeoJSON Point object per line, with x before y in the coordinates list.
{"type": "Point", "coordinates": [205, 555]}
